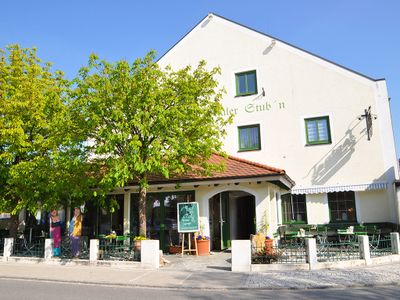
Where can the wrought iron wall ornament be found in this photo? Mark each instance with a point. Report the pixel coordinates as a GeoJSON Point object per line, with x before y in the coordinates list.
{"type": "Point", "coordinates": [368, 116]}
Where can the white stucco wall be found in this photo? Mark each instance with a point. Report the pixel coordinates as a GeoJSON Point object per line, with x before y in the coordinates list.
{"type": "Point", "coordinates": [317, 209]}
{"type": "Point", "coordinates": [372, 206]}
{"type": "Point", "coordinates": [273, 216]}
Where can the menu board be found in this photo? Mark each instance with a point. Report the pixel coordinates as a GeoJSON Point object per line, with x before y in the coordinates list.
{"type": "Point", "coordinates": [188, 217]}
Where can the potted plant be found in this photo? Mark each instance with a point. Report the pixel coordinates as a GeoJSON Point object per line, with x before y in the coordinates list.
{"type": "Point", "coordinates": [203, 245]}
{"type": "Point", "coordinates": [269, 244]}
{"type": "Point", "coordinates": [263, 228]}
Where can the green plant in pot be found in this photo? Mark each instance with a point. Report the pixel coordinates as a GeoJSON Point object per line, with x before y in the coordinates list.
{"type": "Point", "coordinates": [203, 242]}
{"type": "Point", "coordinates": [263, 230]}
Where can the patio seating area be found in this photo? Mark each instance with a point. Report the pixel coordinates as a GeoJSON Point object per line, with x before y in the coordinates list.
{"type": "Point", "coordinates": [334, 242]}
{"type": "Point", "coordinates": [118, 248]}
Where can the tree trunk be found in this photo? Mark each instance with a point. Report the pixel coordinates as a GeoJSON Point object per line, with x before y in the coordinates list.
{"type": "Point", "coordinates": [142, 210]}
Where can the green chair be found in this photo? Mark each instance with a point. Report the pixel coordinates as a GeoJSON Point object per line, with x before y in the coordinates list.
{"type": "Point", "coordinates": [374, 240]}
{"type": "Point", "coordinates": [322, 234]}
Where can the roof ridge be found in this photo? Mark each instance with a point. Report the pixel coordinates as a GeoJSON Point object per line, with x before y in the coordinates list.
{"type": "Point", "coordinates": [256, 164]}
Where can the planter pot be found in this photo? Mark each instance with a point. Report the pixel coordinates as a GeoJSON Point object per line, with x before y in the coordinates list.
{"type": "Point", "coordinates": [175, 249]}
{"type": "Point", "coordinates": [203, 247]}
{"type": "Point", "coordinates": [269, 250]}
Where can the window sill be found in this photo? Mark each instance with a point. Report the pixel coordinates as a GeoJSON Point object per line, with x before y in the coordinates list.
{"type": "Point", "coordinates": [295, 223]}
{"type": "Point", "coordinates": [245, 95]}
{"type": "Point", "coordinates": [318, 144]}
{"type": "Point", "coordinates": [248, 150]}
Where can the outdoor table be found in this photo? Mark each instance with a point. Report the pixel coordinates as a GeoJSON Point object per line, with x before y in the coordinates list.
{"type": "Point", "coordinates": [346, 236]}
{"type": "Point", "coordinates": [305, 236]}
{"type": "Point", "coordinates": [290, 235]}
{"type": "Point", "coordinates": [360, 233]}
{"type": "Point", "coordinates": [106, 240]}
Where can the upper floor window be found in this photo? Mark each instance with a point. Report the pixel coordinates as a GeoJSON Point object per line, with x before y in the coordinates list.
{"type": "Point", "coordinates": [249, 138]}
{"type": "Point", "coordinates": [318, 131]}
{"type": "Point", "coordinates": [246, 83]}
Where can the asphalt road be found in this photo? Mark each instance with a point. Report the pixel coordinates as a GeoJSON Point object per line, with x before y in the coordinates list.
{"type": "Point", "coordinates": [11, 289]}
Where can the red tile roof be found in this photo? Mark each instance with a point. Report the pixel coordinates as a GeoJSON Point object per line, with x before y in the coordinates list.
{"type": "Point", "coordinates": [235, 168]}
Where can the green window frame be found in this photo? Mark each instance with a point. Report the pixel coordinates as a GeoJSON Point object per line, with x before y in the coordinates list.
{"type": "Point", "coordinates": [249, 137]}
{"type": "Point", "coordinates": [342, 207]}
{"type": "Point", "coordinates": [318, 131]}
{"type": "Point", "coordinates": [294, 209]}
{"type": "Point", "coordinates": [246, 83]}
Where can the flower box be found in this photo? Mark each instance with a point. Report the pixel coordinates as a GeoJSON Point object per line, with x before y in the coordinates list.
{"type": "Point", "coordinates": [175, 249]}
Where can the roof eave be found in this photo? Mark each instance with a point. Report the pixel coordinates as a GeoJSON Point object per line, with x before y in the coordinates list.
{"type": "Point", "coordinates": [283, 178]}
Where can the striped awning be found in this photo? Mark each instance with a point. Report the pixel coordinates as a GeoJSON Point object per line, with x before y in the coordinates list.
{"type": "Point", "coordinates": [340, 188]}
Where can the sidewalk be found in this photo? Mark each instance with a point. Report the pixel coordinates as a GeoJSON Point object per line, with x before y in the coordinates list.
{"type": "Point", "coordinates": [200, 279]}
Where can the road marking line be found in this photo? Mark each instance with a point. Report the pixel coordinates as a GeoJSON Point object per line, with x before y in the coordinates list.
{"type": "Point", "coordinates": [138, 277]}
{"type": "Point", "coordinates": [185, 278]}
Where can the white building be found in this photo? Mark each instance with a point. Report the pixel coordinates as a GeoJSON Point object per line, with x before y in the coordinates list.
{"type": "Point", "coordinates": [302, 113]}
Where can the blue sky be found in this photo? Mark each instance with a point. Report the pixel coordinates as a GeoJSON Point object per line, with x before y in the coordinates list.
{"type": "Point", "coordinates": [363, 35]}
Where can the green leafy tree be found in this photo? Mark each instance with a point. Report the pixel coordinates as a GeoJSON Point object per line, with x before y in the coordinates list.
{"type": "Point", "coordinates": [142, 120]}
{"type": "Point", "coordinates": [42, 161]}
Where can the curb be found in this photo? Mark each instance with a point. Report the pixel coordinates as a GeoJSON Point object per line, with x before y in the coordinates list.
{"type": "Point", "coordinates": [108, 284]}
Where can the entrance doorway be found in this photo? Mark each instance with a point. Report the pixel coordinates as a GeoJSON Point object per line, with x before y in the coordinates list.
{"type": "Point", "coordinates": [232, 216]}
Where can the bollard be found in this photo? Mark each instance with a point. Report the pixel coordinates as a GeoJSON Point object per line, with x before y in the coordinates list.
{"type": "Point", "coordinates": [394, 237]}
{"type": "Point", "coordinates": [311, 249]}
{"type": "Point", "coordinates": [150, 254]}
{"type": "Point", "coordinates": [364, 249]}
{"type": "Point", "coordinates": [94, 251]}
{"type": "Point", "coordinates": [48, 249]}
{"type": "Point", "coordinates": [8, 248]}
{"type": "Point", "coordinates": [241, 256]}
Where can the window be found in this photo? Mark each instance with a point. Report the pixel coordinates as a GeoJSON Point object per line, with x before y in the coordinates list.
{"type": "Point", "coordinates": [342, 206]}
{"type": "Point", "coordinates": [294, 208]}
{"type": "Point", "coordinates": [161, 216]}
{"type": "Point", "coordinates": [318, 131]}
{"type": "Point", "coordinates": [249, 138]}
{"type": "Point", "coordinates": [246, 83]}
{"type": "Point", "coordinates": [99, 219]}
